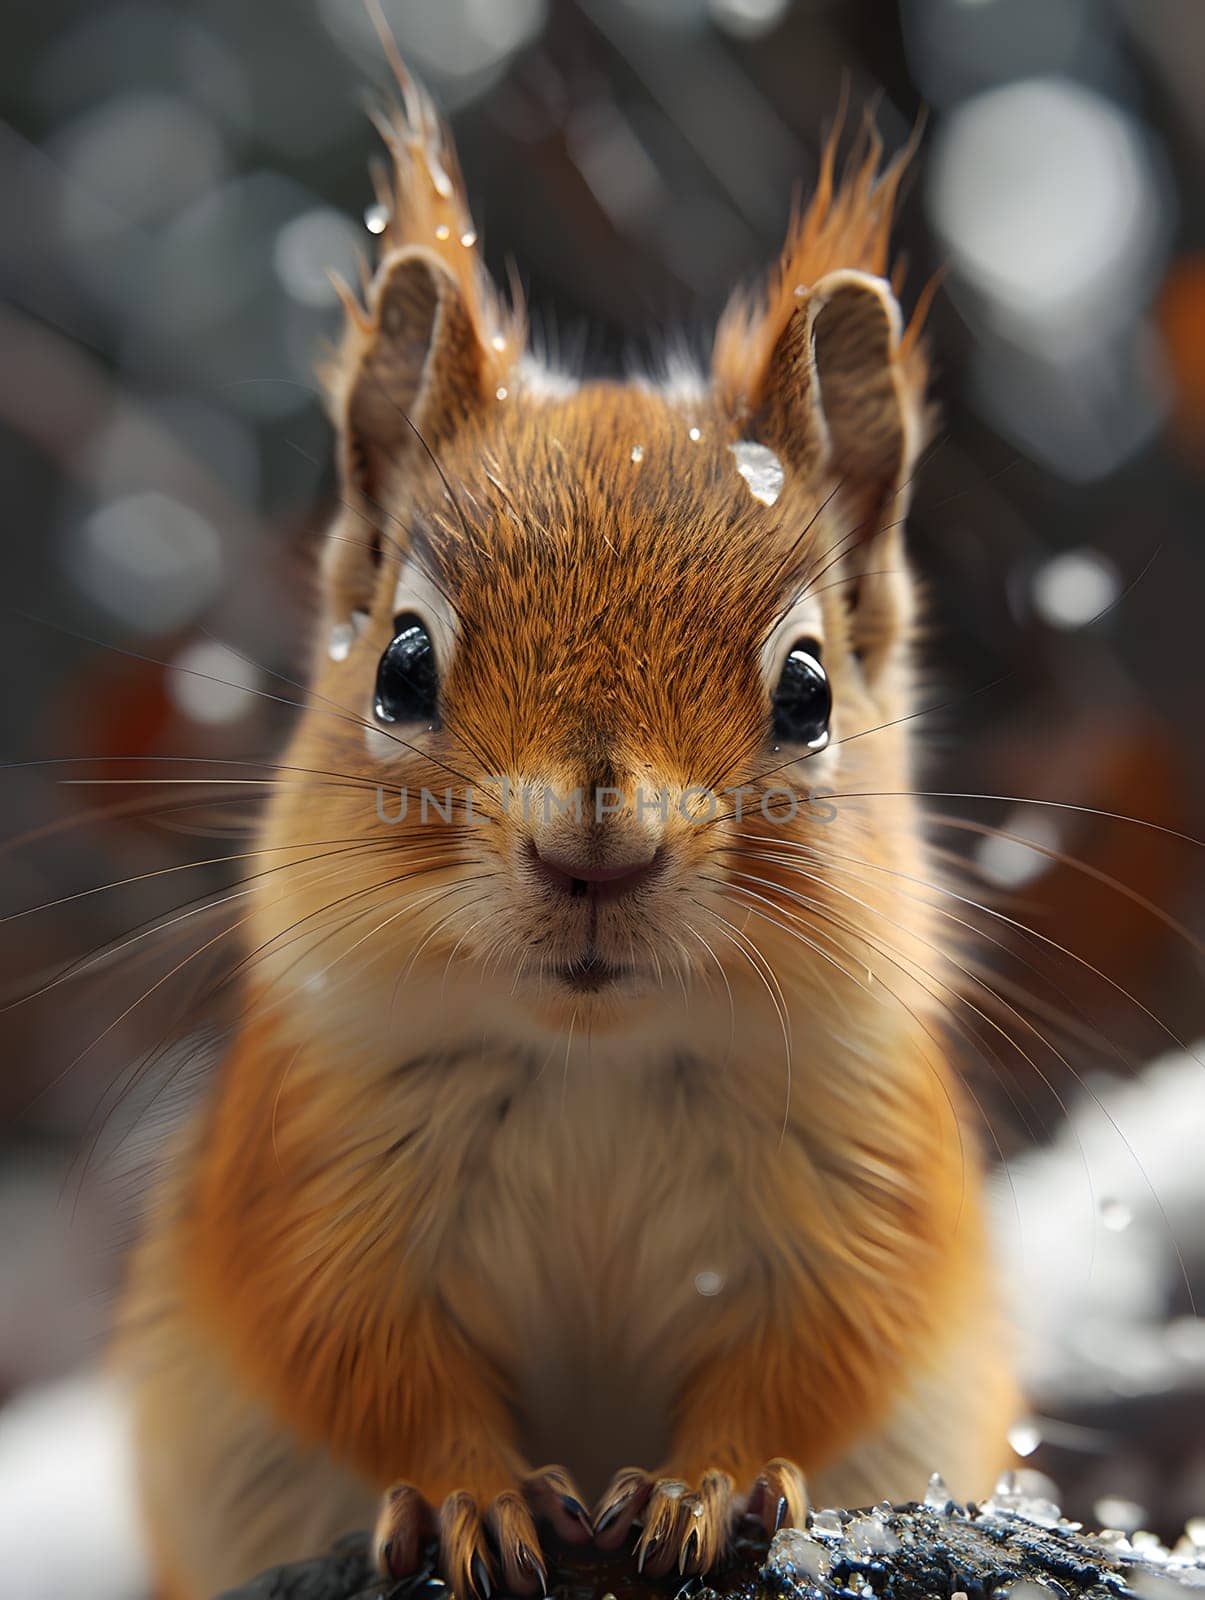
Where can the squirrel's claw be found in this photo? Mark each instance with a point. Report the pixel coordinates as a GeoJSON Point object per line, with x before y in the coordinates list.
{"type": "Point", "coordinates": [553, 1497]}
{"type": "Point", "coordinates": [780, 1496]}
{"type": "Point", "coordinates": [514, 1537]}
{"type": "Point", "coordinates": [403, 1522]}
{"type": "Point", "coordinates": [473, 1548]}
{"type": "Point", "coordinates": [708, 1515]}
{"type": "Point", "coordinates": [683, 1527]}
{"type": "Point", "coordinates": [664, 1528]}
{"type": "Point", "coordinates": [625, 1498]}
{"type": "Point", "coordinates": [464, 1553]}
{"type": "Point", "coordinates": [690, 1528]}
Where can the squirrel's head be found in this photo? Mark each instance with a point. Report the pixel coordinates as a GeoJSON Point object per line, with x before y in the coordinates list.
{"type": "Point", "coordinates": [592, 654]}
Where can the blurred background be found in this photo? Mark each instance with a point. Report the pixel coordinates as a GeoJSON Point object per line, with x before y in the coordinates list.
{"type": "Point", "coordinates": [177, 179]}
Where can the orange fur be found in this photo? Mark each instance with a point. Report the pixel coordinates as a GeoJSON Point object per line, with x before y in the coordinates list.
{"type": "Point", "coordinates": [423, 197]}
{"type": "Point", "coordinates": [263, 1257]}
{"type": "Point", "coordinates": [846, 224]}
{"type": "Point", "coordinates": [445, 1214]}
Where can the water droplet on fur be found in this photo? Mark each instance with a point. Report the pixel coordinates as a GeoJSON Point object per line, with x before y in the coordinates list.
{"type": "Point", "coordinates": [443, 231]}
{"type": "Point", "coordinates": [1115, 1215]}
{"type": "Point", "coordinates": [440, 181]}
{"type": "Point", "coordinates": [376, 218]}
{"type": "Point", "coordinates": [1025, 1437]}
{"type": "Point", "coordinates": [499, 342]}
{"type": "Point", "coordinates": [638, 453]}
{"type": "Point", "coordinates": [345, 634]}
{"type": "Point", "coordinates": [937, 1495]}
{"type": "Point", "coordinates": [469, 238]}
{"type": "Point", "coordinates": [501, 391]}
{"type": "Point", "coordinates": [760, 468]}
{"type": "Point", "coordinates": [338, 646]}
{"type": "Point", "coordinates": [695, 435]}
{"type": "Point", "coordinates": [709, 1283]}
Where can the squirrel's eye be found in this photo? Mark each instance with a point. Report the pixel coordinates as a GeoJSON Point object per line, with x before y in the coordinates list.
{"type": "Point", "coordinates": [803, 701]}
{"type": "Point", "coordinates": [407, 677]}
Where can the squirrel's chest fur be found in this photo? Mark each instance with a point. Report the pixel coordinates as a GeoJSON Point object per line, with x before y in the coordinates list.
{"type": "Point", "coordinates": [585, 1220]}
{"type": "Point", "coordinates": [582, 1219]}
{"type": "Point", "coordinates": [601, 1234]}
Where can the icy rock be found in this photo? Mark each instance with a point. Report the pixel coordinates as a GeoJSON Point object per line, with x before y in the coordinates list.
{"type": "Point", "coordinates": [1114, 1540]}
{"type": "Point", "coordinates": [1113, 1511]}
{"type": "Point", "coordinates": [1153, 1584]}
{"type": "Point", "coordinates": [937, 1495]}
{"type": "Point", "coordinates": [939, 1553]}
{"type": "Point", "coordinates": [870, 1536]}
{"type": "Point", "coordinates": [793, 1552]}
{"type": "Point", "coordinates": [1149, 1545]}
{"type": "Point", "coordinates": [1023, 1494]}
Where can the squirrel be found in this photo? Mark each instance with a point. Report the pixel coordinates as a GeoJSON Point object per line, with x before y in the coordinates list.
{"type": "Point", "coordinates": [590, 1102]}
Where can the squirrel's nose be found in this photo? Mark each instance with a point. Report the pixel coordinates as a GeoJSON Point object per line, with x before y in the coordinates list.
{"type": "Point", "coordinates": [576, 877]}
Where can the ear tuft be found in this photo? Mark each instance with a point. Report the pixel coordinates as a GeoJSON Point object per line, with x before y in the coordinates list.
{"type": "Point", "coordinates": [421, 195]}
{"type": "Point", "coordinates": [820, 367]}
{"type": "Point", "coordinates": [847, 223]}
{"type": "Point", "coordinates": [431, 345]}
{"type": "Point", "coordinates": [827, 315]}
{"type": "Point", "coordinates": [430, 287]}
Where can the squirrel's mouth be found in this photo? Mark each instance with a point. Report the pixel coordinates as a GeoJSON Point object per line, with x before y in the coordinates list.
{"type": "Point", "coordinates": [591, 973]}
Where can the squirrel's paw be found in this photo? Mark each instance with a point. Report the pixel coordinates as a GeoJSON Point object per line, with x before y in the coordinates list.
{"type": "Point", "coordinates": [682, 1527]}
{"type": "Point", "coordinates": [689, 1528]}
{"type": "Point", "coordinates": [481, 1549]}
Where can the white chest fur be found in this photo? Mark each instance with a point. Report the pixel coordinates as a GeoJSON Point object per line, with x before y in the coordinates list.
{"type": "Point", "coordinates": [598, 1235]}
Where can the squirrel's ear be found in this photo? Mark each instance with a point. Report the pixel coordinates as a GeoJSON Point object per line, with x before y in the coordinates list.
{"type": "Point", "coordinates": [434, 344]}
{"type": "Point", "coordinates": [418, 370]}
{"type": "Point", "coordinates": [820, 367]}
{"type": "Point", "coordinates": [867, 408]}
{"type": "Point", "coordinates": [841, 399]}
{"type": "Point", "coordinates": [857, 390]}
{"type": "Point", "coordinates": [837, 393]}
{"type": "Point", "coordinates": [411, 367]}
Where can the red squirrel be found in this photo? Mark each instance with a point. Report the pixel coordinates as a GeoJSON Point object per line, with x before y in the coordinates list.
{"type": "Point", "coordinates": [590, 1102]}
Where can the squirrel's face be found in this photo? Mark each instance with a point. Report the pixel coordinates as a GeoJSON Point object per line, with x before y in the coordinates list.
{"type": "Point", "coordinates": [605, 668]}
